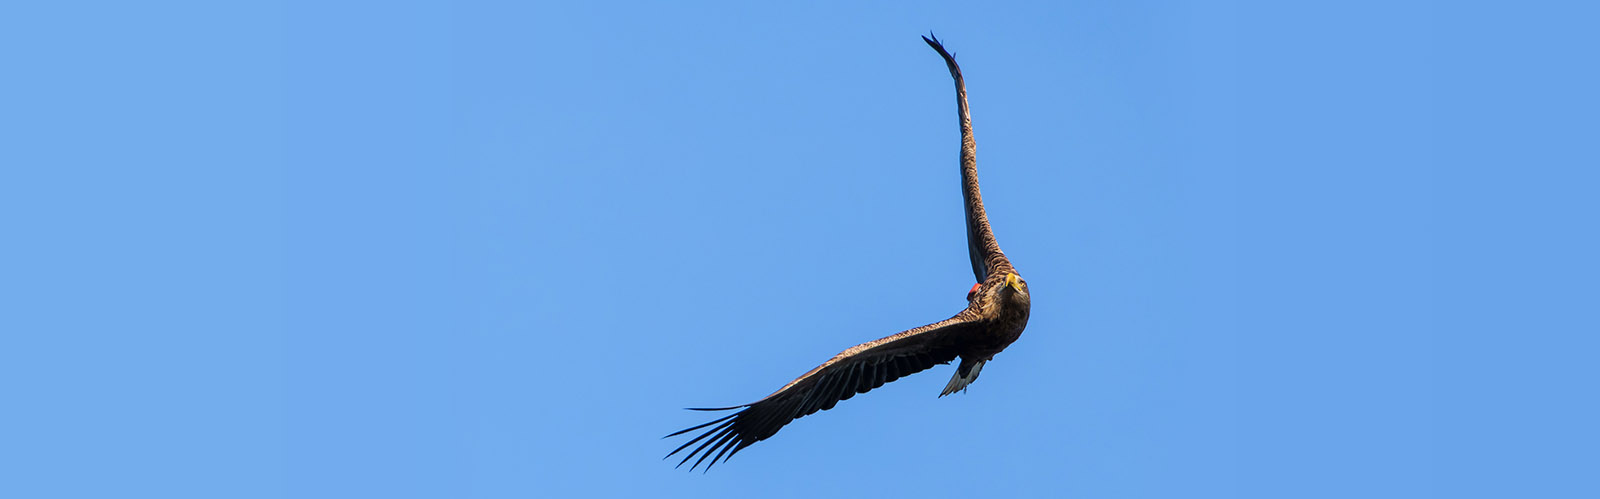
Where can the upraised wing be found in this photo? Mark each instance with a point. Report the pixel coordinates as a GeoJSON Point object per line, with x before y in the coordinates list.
{"type": "Point", "coordinates": [982, 248]}
{"type": "Point", "coordinates": [855, 370]}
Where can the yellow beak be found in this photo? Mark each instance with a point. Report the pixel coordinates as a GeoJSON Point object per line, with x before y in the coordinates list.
{"type": "Point", "coordinates": [1013, 281]}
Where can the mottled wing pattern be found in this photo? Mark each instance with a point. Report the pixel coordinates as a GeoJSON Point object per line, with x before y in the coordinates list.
{"type": "Point", "coordinates": [855, 370]}
{"type": "Point", "coordinates": [982, 248]}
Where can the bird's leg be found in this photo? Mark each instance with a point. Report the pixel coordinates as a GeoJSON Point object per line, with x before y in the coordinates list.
{"type": "Point", "coordinates": [974, 291]}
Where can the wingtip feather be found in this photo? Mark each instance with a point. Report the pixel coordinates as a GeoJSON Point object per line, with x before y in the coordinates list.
{"type": "Point", "coordinates": [729, 408]}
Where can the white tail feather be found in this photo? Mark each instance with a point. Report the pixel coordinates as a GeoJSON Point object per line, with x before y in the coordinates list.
{"type": "Point", "coordinates": [959, 382]}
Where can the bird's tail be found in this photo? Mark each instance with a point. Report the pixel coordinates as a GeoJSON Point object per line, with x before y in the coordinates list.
{"type": "Point", "coordinates": [966, 373]}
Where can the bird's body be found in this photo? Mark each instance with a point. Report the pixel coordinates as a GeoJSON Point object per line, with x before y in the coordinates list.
{"type": "Point", "coordinates": [996, 313]}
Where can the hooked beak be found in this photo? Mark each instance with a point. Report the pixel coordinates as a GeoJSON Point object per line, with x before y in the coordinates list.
{"type": "Point", "coordinates": [1014, 282]}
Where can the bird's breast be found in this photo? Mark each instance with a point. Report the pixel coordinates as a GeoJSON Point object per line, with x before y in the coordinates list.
{"type": "Point", "coordinates": [998, 332]}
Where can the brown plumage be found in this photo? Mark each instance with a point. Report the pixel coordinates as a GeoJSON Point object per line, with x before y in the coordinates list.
{"type": "Point", "coordinates": [996, 313]}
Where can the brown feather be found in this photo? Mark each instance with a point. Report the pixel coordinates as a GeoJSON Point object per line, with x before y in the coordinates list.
{"type": "Point", "coordinates": [982, 248]}
{"type": "Point", "coordinates": [837, 379]}
{"type": "Point", "coordinates": [995, 316]}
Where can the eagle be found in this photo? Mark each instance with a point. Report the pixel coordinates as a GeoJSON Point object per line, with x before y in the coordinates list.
{"type": "Point", "coordinates": [996, 313]}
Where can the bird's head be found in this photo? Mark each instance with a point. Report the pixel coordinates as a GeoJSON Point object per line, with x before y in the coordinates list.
{"type": "Point", "coordinates": [1015, 286]}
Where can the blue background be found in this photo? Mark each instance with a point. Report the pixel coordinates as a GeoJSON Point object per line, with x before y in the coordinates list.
{"type": "Point", "coordinates": [429, 249]}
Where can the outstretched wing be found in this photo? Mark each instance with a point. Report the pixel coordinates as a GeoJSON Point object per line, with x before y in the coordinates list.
{"type": "Point", "coordinates": [855, 370]}
{"type": "Point", "coordinates": [981, 245]}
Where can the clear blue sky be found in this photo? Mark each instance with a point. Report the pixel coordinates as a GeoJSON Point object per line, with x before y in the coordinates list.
{"type": "Point", "coordinates": [430, 249]}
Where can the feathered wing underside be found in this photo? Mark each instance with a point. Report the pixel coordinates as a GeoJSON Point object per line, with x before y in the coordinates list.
{"type": "Point", "coordinates": [856, 370]}
{"type": "Point", "coordinates": [982, 248]}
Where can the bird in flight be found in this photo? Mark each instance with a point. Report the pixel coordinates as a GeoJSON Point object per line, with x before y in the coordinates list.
{"type": "Point", "coordinates": [996, 313]}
